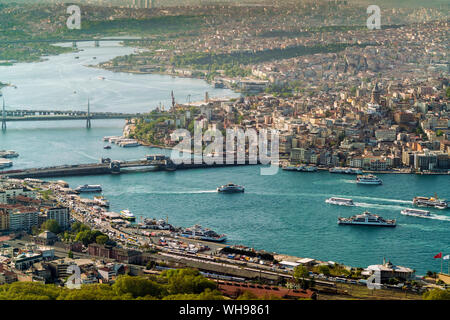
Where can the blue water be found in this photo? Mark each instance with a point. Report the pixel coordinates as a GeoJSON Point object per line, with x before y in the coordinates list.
{"type": "Point", "coordinates": [284, 213]}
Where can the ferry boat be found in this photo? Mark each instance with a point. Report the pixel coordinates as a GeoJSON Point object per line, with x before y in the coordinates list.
{"type": "Point", "coordinates": [160, 224]}
{"type": "Point", "coordinates": [200, 233]}
{"type": "Point", "coordinates": [432, 202]}
{"type": "Point", "coordinates": [289, 168]}
{"type": "Point", "coordinates": [127, 215]}
{"type": "Point", "coordinates": [415, 213]}
{"type": "Point", "coordinates": [345, 170]}
{"type": "Point", "coordinates": [310, 169]}
{"type": "Point", "coordinates": [230, 188]}
{"type": "Point", "coordinates": [340, 201]}
{"type": "Point", "coordinates": [368, 179]}
{"type": "Point", "coordinates": [8, 154]}
{"type": "Point", "coordinates": [89, 188]}
{"type": "Point", "coordinates": [367, 219]}
{"type": "Point", "coordinates": [101, 201]}
{"type": "Point", "coordinates": [4, 163]}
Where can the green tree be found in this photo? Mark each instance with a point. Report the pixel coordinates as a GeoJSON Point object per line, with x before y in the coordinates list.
{"type": "Point", "coordinates": [437, 294]}
{"type": "Point", "coordinates": [138, 287]}
{"type": "Point", "coordinates": [325, 270]}
{"type": "Point", "coordinates": [70, 254]}
{"type": "Point", "coordinates": [52, 226]}
{"type": "Point", "coordinates": [102, 239]}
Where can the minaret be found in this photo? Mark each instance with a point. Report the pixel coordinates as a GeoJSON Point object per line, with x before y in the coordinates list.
{"type": "Point", "coordinates": [88, 118]}
{"type": "Point", "coordinates": [3, 116]}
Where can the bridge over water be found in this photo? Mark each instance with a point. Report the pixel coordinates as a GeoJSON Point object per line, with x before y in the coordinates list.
{"type": "Point", "coordinates": [75, 40]}
{"type": "Point", "coordinates": [114, 167]}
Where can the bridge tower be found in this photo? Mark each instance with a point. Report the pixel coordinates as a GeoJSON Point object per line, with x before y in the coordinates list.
{"type": "Point", "coordinates": [3, 116]}
{"type": "Point", "coordinates": [88, 117]}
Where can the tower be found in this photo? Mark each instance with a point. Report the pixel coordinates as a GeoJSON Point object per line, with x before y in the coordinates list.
{"type": "Point", "coordinates": [3, 116]}
{"type": "Point", "coordinates": [376, 94]}
{"type": "Point", "coordinates": [173, 100]}
{"type": "Point", "coordinates": [88, 118]}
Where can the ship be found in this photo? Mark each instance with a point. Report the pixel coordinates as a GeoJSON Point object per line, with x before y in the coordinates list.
{"type": "Point", "coordinates": [127, 215]}
{"type": "Point", "coordinates": [4, 163]}
{"type": "Point", "coordinates": [160, 224]}
{"type": "Point", "coordinates": [89, 188]}
{"type": "Point", "coordinates": [345, 170]}
{"type": "Point", "coordinates": [368, 179]}
{"type": "Point", "coordinates": [230, 188]}
{"type": "Point", "coordinates": [415, 213]}
{"type": "Point", "coordinates": [289, 168]}
{"type": "Point", "coordinates": [367, 219]}
{"type": "Point", "coordinates": [432, 202]}
{"type": "Point", "coordinates": [340, 201]}
{"type": "Point", "coordinates": [200, 233]}
{"type": "Point", "coordinates": [8, 154]}
{"type": "Point", "coordinates": [101, 201]}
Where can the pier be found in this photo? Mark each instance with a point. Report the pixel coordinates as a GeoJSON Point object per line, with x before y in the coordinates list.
{"type": "Point", "coordinates": [107, 166]}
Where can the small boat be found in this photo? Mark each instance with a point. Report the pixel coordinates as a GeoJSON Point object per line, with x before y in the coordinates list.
{"type": "Point", "coordinates": [415, 213]}
{"type": "Point", "coordinates": [432, 202]}
{"type": "Point", "coordinates": [230, 188]}
{"type": "Point", "coordinates": [340, 201]}
{"type": "Point", "coordinates": [369, 179]}
{"type": "Point", "coordinates": [367, 219]}
{"type": "Point", "coordinates": [107, 147]}
{"type": "Point", "coordinates": [200, 233]}
{"type": "Point", "coordinates": [89, 188]}
{"type": "Point", "coordinates": [127, 215]}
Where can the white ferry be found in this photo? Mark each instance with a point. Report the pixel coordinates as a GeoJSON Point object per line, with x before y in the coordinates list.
{"type": "Point", "coordinates": [368, 179]}
{"type": "Point", "coordinates": [432, 202]}
{"type": "Point", "coordinates": [230, 188]}
{"type": "Point", "coordinates": [200, 233]}
{"type": "Point", "coordinates": [290, 168]}
{"type": "Point", "coordinates": [340, 201]}
{"type": "Point", "coordinates": [5, 163]}
{"type": "Point", "coordinates": [8, 154]}
{"type": "Point", "coordinates": [345, 170]}
{"type": "Point", "coordinates": [415, 213]}
{"type": "Point", "coordinates": [101, 201]}
{"type": "Point", "coordinates": [367, 219]}
{"type": "Point", "coordinates": [127, 215]}
{"type": "Point", "coordinates": [89, 188]}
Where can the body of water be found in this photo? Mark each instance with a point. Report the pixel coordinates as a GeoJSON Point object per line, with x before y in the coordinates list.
{"type": "Point", "coordinates": [285, 213]}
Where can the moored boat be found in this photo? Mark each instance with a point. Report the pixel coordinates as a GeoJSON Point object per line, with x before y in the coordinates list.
{"type": "Point", "coordinates": [89, 188]}
{"type": "Point", "coordinates": [127, 215]}
{"type": "Point", "coordinates": [200, 233]}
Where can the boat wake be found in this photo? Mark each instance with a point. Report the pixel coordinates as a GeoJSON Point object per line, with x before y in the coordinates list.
{"type": "Point", "coordinates": [378, 206]}
{"type": "Point", "coordinates": [383, 199]}
{"type": "Point", "coordinates": [438, 217]}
